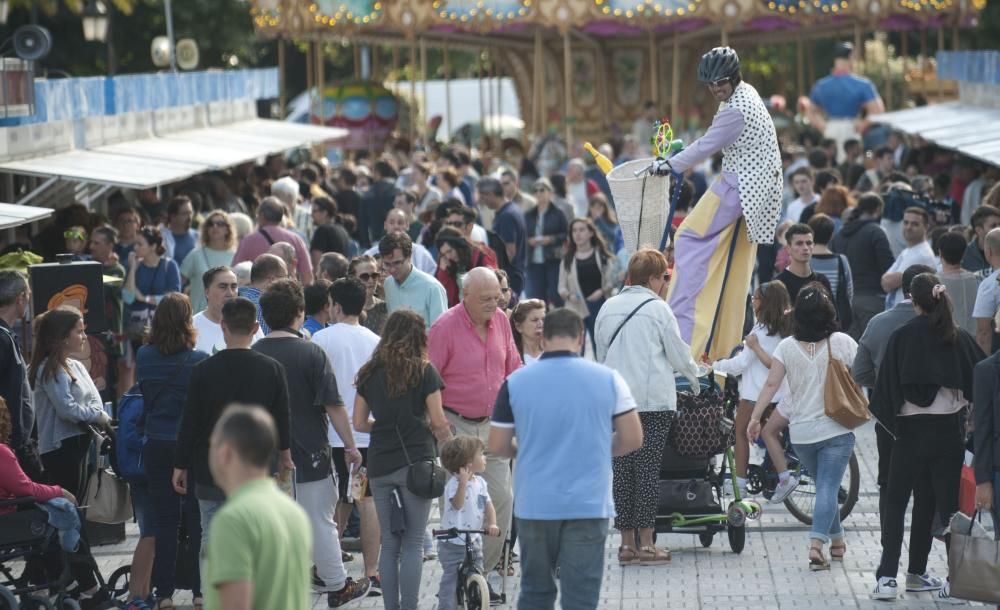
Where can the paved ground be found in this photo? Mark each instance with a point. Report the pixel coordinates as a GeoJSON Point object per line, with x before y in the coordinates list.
{"type": "Point", "coordinates": [770, 573]}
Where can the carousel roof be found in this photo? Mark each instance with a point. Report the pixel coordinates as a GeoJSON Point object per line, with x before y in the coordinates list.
{"type": "Point", "coordinates": [600, 18]}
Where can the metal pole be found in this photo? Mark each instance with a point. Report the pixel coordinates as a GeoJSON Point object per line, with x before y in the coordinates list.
{"type": "Point", "coordinates": [482, 101]}
{"type": "Point", "coordinates": [725, 37]}
{"type": "Point", "coordinates": [536, 85]}
{"type": "Point", "coordinates": [320, 78]}
{"type": "Point", "coordinates": [447, 90]}
{"type": "Point", "coordinates": [800, 72]}
{"type": "Point", "coordinates": [282, 98]}
{"type": "Point", "coordinates": [654, 85]}
{"type": "Point", "coordinates": [423, 88]}
{"type": "Point", "coordinates": [499, 74]}
{"type": "Point", "coordinates": [366, 62]}
{"type": "Point", "coordinates": [170, 34]}
{"type": "Point", "coordinates": [310, 79]}
{"type": "Point", "coordinates": [937, 75]}
{"type": "Point", "coordinates": [494, 124]}
{"type": "Point", "coordinates": [414, 111]}
{"type": "Point", "coordinates": [567, 88]}
{"type": "Point", "coordinates": [675, 83]}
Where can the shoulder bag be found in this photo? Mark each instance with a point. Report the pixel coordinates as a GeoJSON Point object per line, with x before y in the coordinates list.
{"type": "Point", "coordinates": [107, 499]}
{"type": "Point", "coordinates": [973, 565]}
{"type": "Point", "coordinates": [843, 400]}
{"type": "Point", "coordinates": [627, 318]}
{"type": "Point", "coordinates": [425, 478]}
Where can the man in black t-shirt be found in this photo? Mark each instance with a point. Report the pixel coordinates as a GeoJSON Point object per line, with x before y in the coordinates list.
{"type": "Point", "coordinates": [313, 401]}
{"type": "Point", "coordinates": [799, 242]}
{"type": "Point", "coordinates": [234, 375]}
{"type": "Point", "coordinates": [328, 236]}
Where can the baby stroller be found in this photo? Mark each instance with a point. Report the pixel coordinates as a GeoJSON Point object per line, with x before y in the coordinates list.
{"type": "Point", "coordinates": [28, 541]}
{"type": "Point", "coordinates": [695, 496]}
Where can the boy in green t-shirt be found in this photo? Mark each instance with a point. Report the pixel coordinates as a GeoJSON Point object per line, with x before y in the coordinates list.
{"type": "Point", "coordinates": [259, 547]}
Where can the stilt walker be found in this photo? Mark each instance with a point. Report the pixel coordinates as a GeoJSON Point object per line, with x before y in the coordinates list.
{"type": "Point", "coordinates": [715, 246]}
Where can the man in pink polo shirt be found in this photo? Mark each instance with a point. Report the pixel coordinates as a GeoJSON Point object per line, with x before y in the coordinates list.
{"type": "Point", "coordinates": [269, 232]}
{"type": "Point", "coordinates": [472, 347]}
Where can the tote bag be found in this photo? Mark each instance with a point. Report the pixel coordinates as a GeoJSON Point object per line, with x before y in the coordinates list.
{"type": "Point", "coordinates": [843, 400]}
{"type": "Point", "coordinates": [107, 498]}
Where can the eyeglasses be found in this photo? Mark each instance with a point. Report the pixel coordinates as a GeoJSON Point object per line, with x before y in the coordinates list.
{"type": "Point", "coordinates": [217, 223]}
{"type": "Point", "coordinates": [720, 82]}
{"type": "Point", "coordinates": [367, 277]}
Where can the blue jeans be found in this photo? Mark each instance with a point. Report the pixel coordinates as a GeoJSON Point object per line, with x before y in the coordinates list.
{"type": "Point", "coordinates": [543, 282]}
{"type": "Point", "coordinates": [206, 510]}
{"type": "Point", "coordinates": [593, 307]}
{"type": "Point", "coordinates": [401, 560]}
{"type": "Point", "coordinates": [168, 510]}
{"type": "Point", "coordinates": [576, 547]}
{"type": "Point", "coordinates": [826, 461]}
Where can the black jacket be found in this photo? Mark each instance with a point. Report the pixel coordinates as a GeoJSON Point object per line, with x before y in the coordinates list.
{"type": "Point", "coordinates": [867, 249]}
{"type": "Point", "coordinates": [986, 418]}
{"type": "Point", "coordinates": [375, 206]}
{"type": "Point", "coordinates": [553, 225]}
{"type": "Point", "coordinates": [916, 365]}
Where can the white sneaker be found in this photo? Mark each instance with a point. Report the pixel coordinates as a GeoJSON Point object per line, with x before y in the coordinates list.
{"type": "Point", "coordinates": [944, 596]}
{"type": "Point", "coordinates": [784, 489]}
{"type": "Point", "coordinates": [885, 589]}
{"type": "Point", "coordinates": [917, 582]}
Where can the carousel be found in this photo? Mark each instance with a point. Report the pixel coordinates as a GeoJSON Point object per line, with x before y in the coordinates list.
{"type": "Point", "coordinates": [580, 65]}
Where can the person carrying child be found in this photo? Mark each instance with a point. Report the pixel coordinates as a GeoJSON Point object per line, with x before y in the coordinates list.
{"type": "Point", "coordinates": [771, 307]}
{"type": "Point", "coordinates": [467, 507]}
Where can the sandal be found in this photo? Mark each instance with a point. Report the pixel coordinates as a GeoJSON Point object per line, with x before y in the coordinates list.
{"type": "Point", "coordinates": [817, 561]}
{"type": "Point", "coordinates": [834, 554]}
{"type": "Point", "coordinates": [653, 556]}
{"type": "Point", "coordinates": [627, 556]}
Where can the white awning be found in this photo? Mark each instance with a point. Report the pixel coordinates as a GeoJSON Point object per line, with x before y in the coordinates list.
{"type": "Point", "coordinates": [970, 130]}
{"type": "Point", "coordinates": [16, 215]}
{"type": "Point", "coordinates": [105, 168]}
{"type": "Point", "coordinates": [151, 162]}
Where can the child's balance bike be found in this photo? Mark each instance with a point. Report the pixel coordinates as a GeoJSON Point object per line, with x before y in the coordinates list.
{"type": "Point", "coordinates": [472, 590]}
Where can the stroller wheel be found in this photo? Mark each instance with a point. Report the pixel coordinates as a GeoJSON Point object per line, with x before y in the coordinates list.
{"type": "Point", "coordinates": [34, 602]}
{"type": "Point", "coordinates": [7, 599]}
{"type": "Point", "coordinates": [706, 539]}
{"type": "Point", "coordinates": [118, 582]}
{"type": "Point", "coordinates": [755, 479]}
{"type": "Point", "coordinates": [736, 515]}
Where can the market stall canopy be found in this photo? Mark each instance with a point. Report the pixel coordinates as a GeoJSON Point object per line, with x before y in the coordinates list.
{"type": "Point", "coordinates": [12, 216]}
{"type": "Point", "coordinates": [970, 130]}
{"type": "Point", "coordinates": [154, 161]}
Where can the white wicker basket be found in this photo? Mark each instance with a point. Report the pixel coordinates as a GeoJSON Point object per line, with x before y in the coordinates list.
{"type": "Point", "coordinates": [641, 203]}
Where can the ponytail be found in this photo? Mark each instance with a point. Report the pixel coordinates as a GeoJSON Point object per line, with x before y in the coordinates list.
{"type": "Point", "coordinates": [930, 295]}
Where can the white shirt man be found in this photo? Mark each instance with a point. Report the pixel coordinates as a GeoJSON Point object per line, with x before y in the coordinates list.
{"type": "Point", "coordinates": [221, 287]}
{"type": "Point", "coordinates": [396, 221]}
{"type": "Point", "coordinates": [917, 252]}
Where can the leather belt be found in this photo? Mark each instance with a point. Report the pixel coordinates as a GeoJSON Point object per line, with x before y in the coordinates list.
{"type": "Point", "coordinates": [474, 420]}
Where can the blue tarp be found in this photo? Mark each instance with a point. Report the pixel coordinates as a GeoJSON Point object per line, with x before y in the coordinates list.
{"type": "Point", "coordinates": [78, 98]}
{"type": "Point", "coordinates": [969, 66]}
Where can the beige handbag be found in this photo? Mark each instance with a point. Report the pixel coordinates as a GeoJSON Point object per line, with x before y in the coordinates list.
{"type": "Point", "coordinates": [973, 565]}
{"type": "Point", "coordinates": [107, 499]}
{"type": "Point", "coordinates": [843, 400]}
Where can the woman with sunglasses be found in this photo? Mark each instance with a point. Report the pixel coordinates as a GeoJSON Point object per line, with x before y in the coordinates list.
{"type": "Point", "coordinates": [218, 244]}
{"type": "Point", "coordinates": [365, 268]}
{"type": "Point", "coordinates": [716, 243]}
{"type": "Point", "coordinates": [637, 335]}
{"type": "Point", "coordinates": [546, 230]}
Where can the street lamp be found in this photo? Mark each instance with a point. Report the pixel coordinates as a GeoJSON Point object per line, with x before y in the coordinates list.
{"type": "Point", "coordinates": [95, 21]}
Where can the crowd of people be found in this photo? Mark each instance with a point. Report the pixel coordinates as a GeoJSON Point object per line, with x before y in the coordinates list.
{"type": "Point", "coordinates": [333, 329]}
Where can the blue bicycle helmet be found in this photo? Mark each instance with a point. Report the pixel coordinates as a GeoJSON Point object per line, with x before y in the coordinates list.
{"type": "Point", "coordinates": [719, 63]}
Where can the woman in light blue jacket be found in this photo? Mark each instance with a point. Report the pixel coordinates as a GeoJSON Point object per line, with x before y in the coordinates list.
{"type": "Point", "coordinates": [66, 399]}
{"type": "Point", "coordinates": [637, 335]}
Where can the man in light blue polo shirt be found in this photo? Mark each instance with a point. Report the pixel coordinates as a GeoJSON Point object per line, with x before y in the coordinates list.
{"type": "Point", "coordinates": [570, 417]}
{"type": "Point", "coordinates": [838, 99]}
{"type": "Point", "coordinates": [408, 287]}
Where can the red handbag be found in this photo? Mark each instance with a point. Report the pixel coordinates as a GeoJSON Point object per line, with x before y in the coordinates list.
{"type": "Point", "coordinates": [967, 491]}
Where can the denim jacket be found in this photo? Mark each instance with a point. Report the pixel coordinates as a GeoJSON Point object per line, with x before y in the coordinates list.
{"type": "Point", "coordinates": [64, 404]}
{"type": "Point", "coordinates": [164, 381]}
{"type": "Point", "coordinates": [647, 351]}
